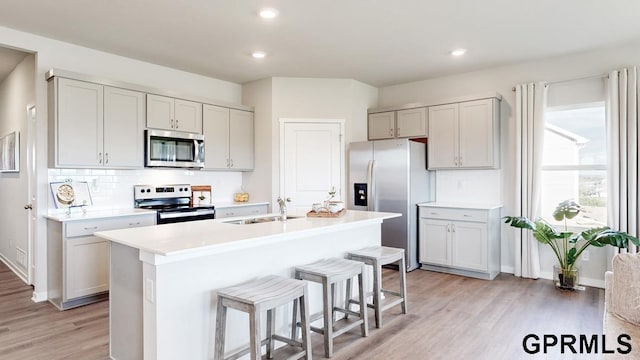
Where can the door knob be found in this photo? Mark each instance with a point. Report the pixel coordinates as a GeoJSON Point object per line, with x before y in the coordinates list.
{"type": "Point", "coordinates": [28, 207]}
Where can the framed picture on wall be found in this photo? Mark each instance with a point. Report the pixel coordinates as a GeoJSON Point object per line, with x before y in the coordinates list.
{"type": "Point", "coordinates": [10, 152]}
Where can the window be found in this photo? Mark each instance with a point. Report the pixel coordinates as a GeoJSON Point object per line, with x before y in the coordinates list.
{"type": "Point", "coordinates": [575, 162]}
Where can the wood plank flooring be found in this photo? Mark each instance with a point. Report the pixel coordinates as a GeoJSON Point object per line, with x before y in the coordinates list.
{"type": "Point", "coordinates": [450, 317]}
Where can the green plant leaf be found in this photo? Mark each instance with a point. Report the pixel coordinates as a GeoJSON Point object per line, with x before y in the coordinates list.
{"type": "Point", "coordinates": [519, 222]}
{"type": "Point", "coordinates": [567, 209]}
{"type": "Point", "coordinates": [571, 256]}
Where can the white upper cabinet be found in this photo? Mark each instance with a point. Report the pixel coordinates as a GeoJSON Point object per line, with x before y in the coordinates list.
{"type": "Point", "coordinates": [398, 124]}
{"type": "Point", "coordinates": [241, 140]}
{"type": "Point", "coordinates": [464, 135]}
{"type": "Point", "coordinates": [94, 126]}
{"type": "Point", "coordinates": [123, 128]}
{"type": "Point", "coordinates": [411, 123]}
{"type": "Point", "coordinates": [173, 114]}
{"type": "Point", "coordinates": [77, 123]}
{"type": "Point", "coordinates": [229, 138]}
{"type": "Point", "coordinates": [382, 125]}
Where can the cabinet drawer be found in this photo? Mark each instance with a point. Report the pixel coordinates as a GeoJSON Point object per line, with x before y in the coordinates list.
{"type": "Point", "coordinates": [474, 215]}
{"type": "Point", "coordinates": [88, 227]}
{"type": "Point", "coordinates": [225, 212]}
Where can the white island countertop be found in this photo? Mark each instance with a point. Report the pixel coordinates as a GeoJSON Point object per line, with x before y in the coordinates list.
{"type": "Point", "coordinates": [198, 238]}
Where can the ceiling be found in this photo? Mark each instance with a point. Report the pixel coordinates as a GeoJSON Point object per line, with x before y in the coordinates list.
{"type": "Point", "coordinates": [379, 42]}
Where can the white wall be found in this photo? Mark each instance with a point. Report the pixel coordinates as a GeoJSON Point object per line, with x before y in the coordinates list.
{"type": "Point", "coordinates": [16, 92]}
{"type": "Point", "coordinates": [500, 184]}
{"type": "Point", "coordinates": [61, 55]}
{"type": "Point", "coordinates": [301, 98]}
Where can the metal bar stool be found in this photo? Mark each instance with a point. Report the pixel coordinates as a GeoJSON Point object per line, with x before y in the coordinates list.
{"type": "Point", "coordinates": [328, 273]}
{"type": "Point", "coordinates": [377, 256]}
{"type": "Point", "coordinates": [258, 295]}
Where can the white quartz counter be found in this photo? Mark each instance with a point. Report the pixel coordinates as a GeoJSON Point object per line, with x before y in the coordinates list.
{"type": "Point", "coordinates": [77, 214]}
{"type": "Point", "coordinates": [207, 237]}
{"type": "Point", "coordinates": [455, 205]}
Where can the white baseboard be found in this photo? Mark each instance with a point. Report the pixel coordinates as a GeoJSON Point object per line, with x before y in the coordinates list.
{"type": "Point", "coordinates": [597, 283]}
{"type": "Point", "coordinates": [507, 269]}
{"type": "Point", "coordinates": [39, 296]}
{"type": "Point", "coordinates": [15, 269]}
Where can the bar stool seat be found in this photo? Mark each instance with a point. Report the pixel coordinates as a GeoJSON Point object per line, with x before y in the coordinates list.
{"type": "Point", "coordinates": [329, 272]}
{"type": "Point", "coordinates": [258, 295]}
{"type": "Point", "coordinates": [377, 256]}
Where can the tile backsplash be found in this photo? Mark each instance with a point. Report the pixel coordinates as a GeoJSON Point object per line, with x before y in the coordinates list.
{"type": "Point", "coordinates": [113, 189]}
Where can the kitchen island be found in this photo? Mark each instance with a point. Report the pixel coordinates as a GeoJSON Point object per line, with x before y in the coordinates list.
{"type": "Point", "coordinates": [163, 279]}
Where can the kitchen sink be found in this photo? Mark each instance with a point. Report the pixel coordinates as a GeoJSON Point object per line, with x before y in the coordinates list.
{"type": "Point", "coordinates": [258, 220]}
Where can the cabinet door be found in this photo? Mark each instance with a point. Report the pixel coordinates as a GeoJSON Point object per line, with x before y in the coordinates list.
{"type": "Point", "coordinates": [123, 128]}
{"type": "Point", "coordinates": [79, 124]}
{"type": "Point", "coordinates": [87, 266]}
{"type": "Point", "coordinates": [240, 140]}
{"type": "Point", "coordinates": [382, 125]}
{"type": "Point", "coordinates": [477, 134]}
{"type": "Point", "coordinates": [160, 112]}
{"type": "Point", "coordinates": [188, 116]}
{"type": "Point", "coordinates": [469, 245]}
{"type": "Point", "coordinates": [443, 137]}
{"type": "Point", "coordinates": [411, 123]}
{"type": "Point", "coordinates": [434, 242]}
{"type": "Point", "coordinates": [215, 127]}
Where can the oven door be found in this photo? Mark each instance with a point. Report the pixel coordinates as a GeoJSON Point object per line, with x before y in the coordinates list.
{"type": "Point", "coordinates": [174, 149]}
{"type": "Point", "coordinates": [169, 216]}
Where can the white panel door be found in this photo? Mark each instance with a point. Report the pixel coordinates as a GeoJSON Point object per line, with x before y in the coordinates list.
{"type": "Point", "coordinates": [443, 136]}
{"type": "Point", "coordinates": [241, 139]}
{"type": "Point", "coordinates": [435, 242]}
{"type": "Point", "coordinates": [411, 122]}
{"type": "Point", "coordinates": [160, 112]}
{"type": "Point", "coordinates": [123, 128]}
{"type": "Point", "coordinates": [312, 163]}
{"type": "Point", "coordinates": [382, 125]}
{"type": "Point", "coordinates": [188, 116]}
{"type": "Point", "coordinates": [469, 245]}
{"type": "Point", "coordinates": [215, 127]}
{"type": "Point", "coordinates": [87, 266]}
{"type": "Point", "coordinates": [476, 133]}
{"type": "Point", "coordinates": [79, 127]}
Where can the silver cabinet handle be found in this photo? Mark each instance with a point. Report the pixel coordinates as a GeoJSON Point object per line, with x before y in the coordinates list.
{"type": "Point", "coordinates": [99, 158]}
{"type": "Point", "coordinates": [231, 162]}
{"type": "Point", "coordinates": [106, 161]}
{"type": "Point", "coordinates": [91, 228]}
{"type": "Point", "coordinates": [176, 123]}
{"type": "Point", "coordinates": [460, 160]}
{"type": "Point", "coordinates": [227, 162]}
{"type": "Point", "coordinates": [172, 126]}
{"type": "Point", "coordinates": [28, 207]}
{"type": "Point", "coordinates": [134, 224]}
{"type": "Point", "coordinates": [448, 227]}
{"type": "Point", "coordinates": [455, 160]}
{"type": "Point", "coordinates": [453, 228]}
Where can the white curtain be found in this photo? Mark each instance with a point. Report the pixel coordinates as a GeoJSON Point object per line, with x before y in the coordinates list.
{"type": "Point", "coordinates": [531, 101]}
{"type": "Point", "coordinates": [622, 142]}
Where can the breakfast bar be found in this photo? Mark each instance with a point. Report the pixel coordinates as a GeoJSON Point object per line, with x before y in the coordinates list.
{"type": "Point", "coordinates": [163, 288]}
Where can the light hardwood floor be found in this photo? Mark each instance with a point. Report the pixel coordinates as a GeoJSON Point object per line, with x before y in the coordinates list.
{"type": "Point", "coordinates": [450, 317]}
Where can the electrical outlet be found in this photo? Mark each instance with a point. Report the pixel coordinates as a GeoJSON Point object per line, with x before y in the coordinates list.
{"type": "Point", "coordinates": [148, 291]}
{"type": "Point", "coordinates": [585, 255]}
{"type": "Point", "coordinates": [21, 257]}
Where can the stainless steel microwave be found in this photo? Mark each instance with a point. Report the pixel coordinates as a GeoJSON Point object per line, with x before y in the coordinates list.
{"type": "Point", "coordinates": [174, 149]}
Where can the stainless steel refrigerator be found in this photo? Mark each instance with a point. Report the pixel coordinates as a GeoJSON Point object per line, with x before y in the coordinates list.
{"type": "Point", "coordinates": [391, 176]}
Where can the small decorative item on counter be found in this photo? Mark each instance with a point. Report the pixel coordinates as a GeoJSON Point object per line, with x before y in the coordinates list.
{"type": "Point", "coordinates": [241, 196]}
{"type": "Point", "coordinates": [200, 195]}
{"type": "Point", "coordinates": [316, 207]}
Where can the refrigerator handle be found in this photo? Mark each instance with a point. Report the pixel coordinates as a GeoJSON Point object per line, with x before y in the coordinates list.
{"type": "Point", "coordinates": [372, 186]}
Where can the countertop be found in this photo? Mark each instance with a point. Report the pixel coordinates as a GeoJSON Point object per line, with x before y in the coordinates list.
{"type": "Point", "coordinates": [454, 205]}
{"type": "Point", "coordinates": [77, 214]}
{"type": "Point", "coordinates": [215, 236]}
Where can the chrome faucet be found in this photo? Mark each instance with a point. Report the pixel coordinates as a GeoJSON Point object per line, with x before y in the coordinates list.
{"type": "Point", "coordinates": [283, 208]}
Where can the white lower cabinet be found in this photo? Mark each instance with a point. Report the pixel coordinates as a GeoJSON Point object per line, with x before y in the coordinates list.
{"type": "Point", "coordinates": [78, 262]}
{"type": "Point", "coordinates": [461, 241]}
{"type": "Point", "coordinates": [241, 210]}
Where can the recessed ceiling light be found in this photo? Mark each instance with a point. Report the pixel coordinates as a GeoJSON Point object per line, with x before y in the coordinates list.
{"type": "Point", "coordinates": [258, 54]}
{"type": "Point", "coordinates": [268, 13]}
{"type": "Point", "coordinates": [458, 52]}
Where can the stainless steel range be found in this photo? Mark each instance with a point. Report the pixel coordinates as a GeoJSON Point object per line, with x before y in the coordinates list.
{"type": "Point", "coordinates": [172, 203]}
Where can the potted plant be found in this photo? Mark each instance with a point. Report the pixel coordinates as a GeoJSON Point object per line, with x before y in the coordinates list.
{"type": "Point", "coordinates": [567, 245]}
